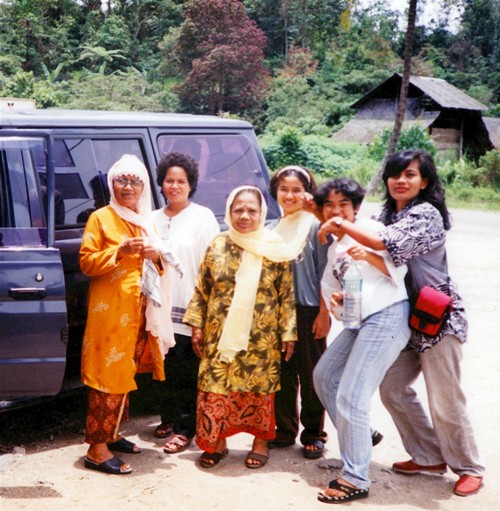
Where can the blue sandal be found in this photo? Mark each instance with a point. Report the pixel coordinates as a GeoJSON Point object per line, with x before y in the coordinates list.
{"type": "Point", "coordinates": [313, 454]}
{"type": "Point", "coordinates": [112, 466]}
{"type": "Point", "coordinates": [124, 445]}
{"type": "Point", "coordinates": [350, 493]}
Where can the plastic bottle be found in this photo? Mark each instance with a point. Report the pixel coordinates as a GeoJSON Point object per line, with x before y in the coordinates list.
{"type": "Point", "coordinates": [353, 283]}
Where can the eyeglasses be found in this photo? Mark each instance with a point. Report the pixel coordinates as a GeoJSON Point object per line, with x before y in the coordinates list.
{"type": "Point", "coordinates": [122, 182]}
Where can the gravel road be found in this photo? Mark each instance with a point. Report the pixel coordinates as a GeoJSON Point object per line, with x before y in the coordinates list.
{"type": "Point", "coordinates": [42, 449]}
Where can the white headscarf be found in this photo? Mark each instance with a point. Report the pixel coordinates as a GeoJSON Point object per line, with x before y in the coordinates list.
{"type": "Point", "coordinates": [256, 245]}
{"type": "Point", "coordinates": [156, 287]}
{"type": "Point", "coordinates": [130, 165]}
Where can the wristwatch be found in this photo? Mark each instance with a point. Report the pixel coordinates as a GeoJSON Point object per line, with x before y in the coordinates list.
{"type": "Point", "coordinates": [338, 223]}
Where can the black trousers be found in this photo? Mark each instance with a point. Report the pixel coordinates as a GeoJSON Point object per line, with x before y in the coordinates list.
{"type": "Point", "coordinates": [180, 388]}
{"type": "Point", "coordinates": [298, 373]}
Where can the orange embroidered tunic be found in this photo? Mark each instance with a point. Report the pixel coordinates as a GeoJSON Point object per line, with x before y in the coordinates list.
{"type": "Point", "coordinates": [113, 306]}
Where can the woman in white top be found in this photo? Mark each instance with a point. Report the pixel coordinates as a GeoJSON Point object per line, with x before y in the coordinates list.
{"type": "Point", "coordinates": [187, 229]}
{"type": "Point", "coordinates": [351, 369]}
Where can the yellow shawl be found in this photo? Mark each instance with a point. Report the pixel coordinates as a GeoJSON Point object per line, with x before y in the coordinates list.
{"type": "Point", "coordinates": [284, 243]}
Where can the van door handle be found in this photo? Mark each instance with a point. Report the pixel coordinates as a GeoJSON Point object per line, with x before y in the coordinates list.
{"type": "Point", "coordinates": [28, 293]}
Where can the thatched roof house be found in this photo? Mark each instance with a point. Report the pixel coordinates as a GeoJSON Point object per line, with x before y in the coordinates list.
{"type": "Point", "coordinates": [452, 118]}
{"type": "Point", "coordinates": [493, 126]}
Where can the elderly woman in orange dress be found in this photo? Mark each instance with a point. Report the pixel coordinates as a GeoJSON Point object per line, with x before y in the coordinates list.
{"type": "Point", "coordinates": [128, 309]}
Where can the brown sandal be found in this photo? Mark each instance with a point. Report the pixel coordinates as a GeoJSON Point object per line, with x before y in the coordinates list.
{"type": "Point", "coordinates": [176, 444]}
{"type": "Point", "coordinates": [210, 459]}
{"type": "Point", "coordinates": [164, 430]}
{"type": "Point", "coordinates": [261, 460]}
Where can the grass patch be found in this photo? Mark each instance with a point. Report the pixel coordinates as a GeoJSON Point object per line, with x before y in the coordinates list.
{"type": "Point", "coordinates": [469, 197]}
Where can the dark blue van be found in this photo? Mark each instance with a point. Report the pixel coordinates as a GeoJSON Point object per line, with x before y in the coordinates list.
{"type": "Point", "coordinates": [53, 166]}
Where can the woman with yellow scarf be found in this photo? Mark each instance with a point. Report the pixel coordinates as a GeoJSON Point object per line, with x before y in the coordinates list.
{"type": "Point", "coordinates": [243, 315]}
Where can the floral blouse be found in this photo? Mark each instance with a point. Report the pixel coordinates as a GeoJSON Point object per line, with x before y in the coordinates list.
{"type": "Point", "coordinates": [416, 236]}
{"type": "Point", "coordinates": [274, 321]}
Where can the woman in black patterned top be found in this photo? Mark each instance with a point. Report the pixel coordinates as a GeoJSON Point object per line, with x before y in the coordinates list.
{"type": "Point", "coordinates": [416, 220]}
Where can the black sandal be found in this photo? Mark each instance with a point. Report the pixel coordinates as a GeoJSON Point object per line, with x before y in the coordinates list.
{"type": "Point", "coordinates": [376, 437]}
{"type": "Point", "coordinates": [313, 454]}
{"type": "Point", "coordinates": [350, 493]}
{"type": "Point", "coordinates": [210, 459]}
{"type": "Point", "coordinates": [124, 445]}
{"type": "Point", "coordinates": [111, 466]}
{"type": "Point", "coordinates": [164, 430]}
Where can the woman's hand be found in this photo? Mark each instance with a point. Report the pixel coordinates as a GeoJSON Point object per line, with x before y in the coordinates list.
{"type": "Point", "coordinates": [358, 253]}
{"type": "Point", "coordinates": [329, 227]}
{"type": "Point", "coordinates": [150, 252]}
{"type": "Point", "coordinates": [197, 337]}
{"type": "Point", "coordinates": [321, 325]}
{"type": "Point", "coordinates": [287, 348]}
{"type": "Point", "coordinates": [337, 305]}
{"type": "Point", "coordinates": [310, 206]}
{"type": "Point", "coordinates": [131, 246]}
{"type": "Point", "coordinates": [336, 300]}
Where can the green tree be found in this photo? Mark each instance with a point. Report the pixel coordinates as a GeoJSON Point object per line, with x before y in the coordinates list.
{"type": "Point", "coordinates": [42, 32]}
{"type": "Point", "coordinates": [123, 90]}
{"type": "Point", "coordinates": [403, 96]}
{"type": "Point", "coordinates": [148, 21]}
{"type": "Point", "coordinates": [288, 24]}
{"type": "Point", "coordinates": [99, 57]}
{"type": "Point", "coordinates": [364, 52]}
{"type": "Point", "coordinates": [221, 53]}
{"type": "Point", "coordinates": [481, 29]}
{"type": "Point", "coordinates": [413, 138]}
{"type": "Point", "coordinates": [24, 85]}
{"type": "Point", "coordinates": [109, 45]}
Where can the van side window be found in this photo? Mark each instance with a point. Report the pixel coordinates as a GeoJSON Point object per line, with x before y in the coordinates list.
{"type": "Point", "coordinates": [225, 162]}
{"type": "Point", "coordinates": [81, 166]}
{"type": "Point", "coordinates": [21, 216]}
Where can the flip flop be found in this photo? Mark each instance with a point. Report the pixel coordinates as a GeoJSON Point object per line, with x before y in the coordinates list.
{"type": "Point", "coordinates": [350, 493]}
{"type": "Point", "coordinates": [313, 454]}
{"type": "Point", "coordinates": [124, 445]}
{"type": "Point", "coordinates": [255, 456]}
{"type": "Point", "coordinates": [213, 457]}
{"type": "Point", "coordinates": [111, 466]}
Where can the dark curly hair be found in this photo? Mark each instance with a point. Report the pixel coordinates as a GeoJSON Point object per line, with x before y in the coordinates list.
{"type": "Point", "coordinates": [182, 160]}
{"type": "Point", "coordinates": [291, 170]}
{"type": "Point", "coordinates": [344, 185]}
{"type": "Point", "coordinates": [433, 193]}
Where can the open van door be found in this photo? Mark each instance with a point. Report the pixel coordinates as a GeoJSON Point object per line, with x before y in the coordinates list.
{"type": "Point", "coordinates": [33, 317]}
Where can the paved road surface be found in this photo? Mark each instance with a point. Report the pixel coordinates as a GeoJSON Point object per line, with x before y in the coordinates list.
{"type": "Point", "coordinates": [50, 475]}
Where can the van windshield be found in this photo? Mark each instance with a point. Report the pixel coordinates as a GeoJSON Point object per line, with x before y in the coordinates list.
{"type": "Point", "coordinates": [225, 162]}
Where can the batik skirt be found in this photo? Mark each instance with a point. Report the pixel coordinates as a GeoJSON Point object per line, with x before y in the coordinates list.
{"type": "Point", "coordinates": [221, 416]}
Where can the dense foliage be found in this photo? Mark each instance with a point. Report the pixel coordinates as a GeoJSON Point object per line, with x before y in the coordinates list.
{"type": "Point", "coordinates": [221, 53]}
{"type": "Point", "coordinates": [292, 67]}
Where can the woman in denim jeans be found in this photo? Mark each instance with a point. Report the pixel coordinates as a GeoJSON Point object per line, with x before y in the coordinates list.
{"type": "Point", "coordinates": [416, 220]}
{"type": "Point", "coordinates": [351, 369]}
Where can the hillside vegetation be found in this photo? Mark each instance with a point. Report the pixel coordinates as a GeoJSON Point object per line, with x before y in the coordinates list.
{"type": "Point", "coordinates": [291, 67]}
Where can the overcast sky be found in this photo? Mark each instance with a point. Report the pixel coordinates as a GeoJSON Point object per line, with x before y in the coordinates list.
{"type": "Point", "coordinates": [431, 9]}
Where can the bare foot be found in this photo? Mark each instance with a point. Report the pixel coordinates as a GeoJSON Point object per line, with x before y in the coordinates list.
{"type": "Point", "coordinates": [311, 447]}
